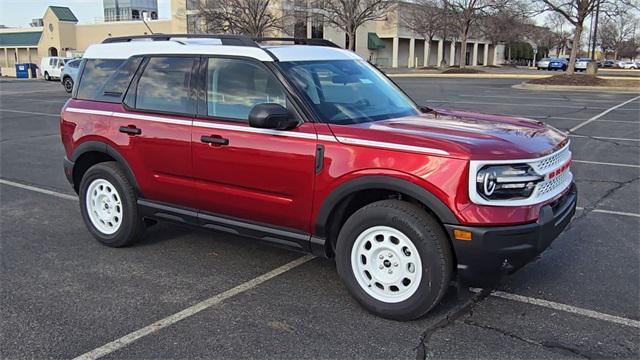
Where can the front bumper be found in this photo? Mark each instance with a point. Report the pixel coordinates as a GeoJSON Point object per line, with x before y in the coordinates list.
{"type": "Point", "coordinates": [495, 251]}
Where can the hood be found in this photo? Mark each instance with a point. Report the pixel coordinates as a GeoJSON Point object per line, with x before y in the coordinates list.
{"type": "Point", "coordinates": [463, 134]}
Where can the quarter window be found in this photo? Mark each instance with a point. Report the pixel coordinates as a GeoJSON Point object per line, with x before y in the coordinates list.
{"type": "Point", "coordinates": [117, 84]}
{"type": "Point", "coordinates": [96, 72]}
{"type": "Point", "coordinates": [165, 85]}
{"type": "Point", "coordinates": [235, 86]}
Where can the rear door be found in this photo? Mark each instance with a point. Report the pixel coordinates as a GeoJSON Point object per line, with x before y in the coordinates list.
{"type": "Point", "coordinates": [259, 175]}
{"type": "Point", "coordinates": [152, 128]}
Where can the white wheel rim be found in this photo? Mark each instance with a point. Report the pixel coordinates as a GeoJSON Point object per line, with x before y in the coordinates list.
{"type": "Point", "coordinates": [104, 206]}
{"type": "Point", "coordinates": [386, 264]}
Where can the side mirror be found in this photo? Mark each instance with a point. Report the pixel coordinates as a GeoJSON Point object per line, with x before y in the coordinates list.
{"type": "Point", "coordinates": [271, 116]}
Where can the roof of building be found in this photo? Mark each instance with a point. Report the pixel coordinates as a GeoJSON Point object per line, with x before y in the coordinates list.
{"type": "Point", "coordinates": [262, 53]}
{"type": "Point", "coordinates": [63, 13]}
{"type": "Point", "coordinates": [23, 38]}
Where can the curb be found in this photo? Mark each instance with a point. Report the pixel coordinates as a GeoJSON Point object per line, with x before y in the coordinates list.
{"type": "Point", "coordinates": [525, 86]}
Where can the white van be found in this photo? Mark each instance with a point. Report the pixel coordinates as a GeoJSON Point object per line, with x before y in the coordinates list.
{"type": "Point", "coordinates": [51, 67]}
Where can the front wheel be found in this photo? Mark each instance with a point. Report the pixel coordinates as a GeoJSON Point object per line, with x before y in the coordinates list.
{"type": "Point", "coordinates": [68, 84]}
{"type": "Point", "coordinates": [108, 204]}
{"type": "Point", "coordinates": [394, 259]}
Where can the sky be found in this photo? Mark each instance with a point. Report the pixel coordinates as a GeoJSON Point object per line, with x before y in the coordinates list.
{"type": "Point", "coordinates": [18, 13]}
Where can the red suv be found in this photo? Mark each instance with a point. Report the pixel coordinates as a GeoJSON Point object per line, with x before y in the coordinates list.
{"type": "Point", "coordinates": [307, 146]}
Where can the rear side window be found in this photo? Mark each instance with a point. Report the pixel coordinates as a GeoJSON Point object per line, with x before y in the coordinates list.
{"type": "Point", "coordinates": [165, 85]}
{"type": "Point", "coordinates": [118, 82]}
{"type": "Point", "coordinates": [73, 63]}
{"type": "Point", "coordinates": [95, 74]}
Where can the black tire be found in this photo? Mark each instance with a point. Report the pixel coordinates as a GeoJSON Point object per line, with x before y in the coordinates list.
{"type": "Point", "coordinates": [132, 226]}
{"type": "Point", "coordinates": [68, 84]}
{"type": "Point", "coordinates": [427, 236]}
{"type": "Point", "coordinates": [46, 76]}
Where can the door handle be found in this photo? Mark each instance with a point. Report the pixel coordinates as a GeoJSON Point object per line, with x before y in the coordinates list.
{"type": "Point", "coordinates": [214, 139]}
{"type": "Point", "coordinates": [131, 130]}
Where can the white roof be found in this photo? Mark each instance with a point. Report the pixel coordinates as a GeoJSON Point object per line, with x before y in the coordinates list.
{"type": "Point", "coordinates": [124, 50]}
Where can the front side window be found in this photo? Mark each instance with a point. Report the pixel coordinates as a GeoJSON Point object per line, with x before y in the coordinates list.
{"type": "Point", "coordinates": [348, 91]}
{"type": "Point", "coordinates": [96, 72]}
{"type": "Point", "coordinates": [235, 86]}
{"type": "Point", "coordinates": [165, 85]}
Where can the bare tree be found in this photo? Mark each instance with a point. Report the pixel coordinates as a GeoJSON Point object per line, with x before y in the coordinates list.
{"type": "Point", "coordinates": [247, 17]}
{"type": "Point", "coordinates": [618, 27]}
{"type": "Point", "coordinates": [506, 24]}
{"type": "Point", "coordinates": [575, 12]}
{"type": "Point", "coordinates": [424, 18]}
{"type": "Point", "coordinates": [466, 14]}
{"type": "Point", "coordinates": [349, 15]}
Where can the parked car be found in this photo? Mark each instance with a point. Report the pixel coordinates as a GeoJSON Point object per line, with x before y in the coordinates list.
{"type": "Point", "coordinates": [582, 63]}
{"type": "Point", "coordinates": [557, 64]}
{"type": "Point", "coordinates": [308, 146]}
{"type": "Point", "coordinates": [70, 74]}
{"type": "Point", "coordinates": [607, 64]}
{"type": "Point", "coordinates": [629, 65]}
{"type": "Point", "coordinates": [543, 64]}
{"type": "Point", "coordinates": [51, 67]}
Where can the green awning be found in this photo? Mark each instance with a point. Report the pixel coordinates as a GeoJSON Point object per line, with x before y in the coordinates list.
{"type": "Point", "coordinates": [20, 39]}
{"type": "Point", "coordinates": [374, 42]}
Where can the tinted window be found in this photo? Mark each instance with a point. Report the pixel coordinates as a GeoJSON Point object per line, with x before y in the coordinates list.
{"type": "Point", "coordinates": [119, 81]}
{"type": "Point", "coordinates": [348, 91]}
{"type": "Point", "coordinates": [164, 85]}
{"type": "Point", "coordinates": [96, 72]}
{"type": "Point", "coordinates": [235, 86]}
{"type": "Point", "coordinates": [73, 63]}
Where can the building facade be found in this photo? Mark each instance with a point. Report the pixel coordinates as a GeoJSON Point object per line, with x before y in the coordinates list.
{"type": "Point", "coordinates": [384, 42]}
{"type": "Point", "coordinates": [128, 10]}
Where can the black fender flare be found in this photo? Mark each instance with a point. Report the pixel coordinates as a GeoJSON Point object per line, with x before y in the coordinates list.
{"type": "Point", "coordinates": [98, 146]}
{"type": "Point", "coordinates": [372, 182]}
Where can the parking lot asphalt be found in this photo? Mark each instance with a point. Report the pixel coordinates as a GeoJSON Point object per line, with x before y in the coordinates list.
{"type": "Point", "coordinates": [63, 295]}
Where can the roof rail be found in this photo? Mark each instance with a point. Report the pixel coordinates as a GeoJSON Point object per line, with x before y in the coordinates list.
{"type": "Point", "coordinates": [298, 41]}
{"type": "Point", "coordinates": [225, 39]}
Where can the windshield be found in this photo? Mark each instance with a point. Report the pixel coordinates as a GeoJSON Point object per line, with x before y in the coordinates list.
{"type": "Point", "coordinates": [348, 91]}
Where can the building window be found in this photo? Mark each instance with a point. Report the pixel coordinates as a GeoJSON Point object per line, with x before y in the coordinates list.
{"type": "Point", "coordinates": [192, 4]}
{"type": "Point", "coordinates": [300, 26]}
{"type": "Point", "coordinates": [317, 26]}
{"type": "Point", "coordinates": [193, 23]}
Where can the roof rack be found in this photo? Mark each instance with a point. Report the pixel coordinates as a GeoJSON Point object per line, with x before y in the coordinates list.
{"type": "Point", "coordinates": [298, 41]}
{"type": "Point", "coordinates": [225, 39]}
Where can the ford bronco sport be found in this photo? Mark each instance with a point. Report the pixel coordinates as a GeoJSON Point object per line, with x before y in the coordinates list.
{"type": "Point", "coordinates": [303, 144]}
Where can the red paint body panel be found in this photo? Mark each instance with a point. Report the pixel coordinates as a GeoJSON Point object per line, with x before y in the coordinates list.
{"type": "Point", "coordinates": [271, 179]}
{"type": "Point", "coordinates": [260, 177]}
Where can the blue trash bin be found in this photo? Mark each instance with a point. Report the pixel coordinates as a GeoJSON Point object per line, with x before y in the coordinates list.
{"type": "Point", "coordinates": [22, 71]}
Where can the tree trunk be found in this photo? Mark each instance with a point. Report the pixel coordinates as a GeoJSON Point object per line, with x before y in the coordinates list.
{"type": "Point", "coordinates": [574, 49]}
{"type": "Point", "coordinates": [351, 35]}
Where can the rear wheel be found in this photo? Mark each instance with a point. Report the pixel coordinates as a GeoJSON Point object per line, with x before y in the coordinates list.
{"type": "Point", "coordinates": [394, 259]}
{"type": "Point", "coordinates": [68, 84]}
{"type": "Point", "coordinates": [46, 76]}
{"type": "Point", "coordinates": [108, 204]}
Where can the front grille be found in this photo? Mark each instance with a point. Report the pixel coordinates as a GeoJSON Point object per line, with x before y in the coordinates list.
{"type": "Point", "coordinates": [551, 162]}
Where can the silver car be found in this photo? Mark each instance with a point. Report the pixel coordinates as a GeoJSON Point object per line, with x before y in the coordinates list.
{"type": "Point", "coordinates": [582, 63]}
{"type": "Point", "coordinates": [543, 64]}
{"type": "Point", "coordinates": [70, 74]}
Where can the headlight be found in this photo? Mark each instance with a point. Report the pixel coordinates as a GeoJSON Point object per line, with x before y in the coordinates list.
{"type": "Point", "coordinates": [498, 182]}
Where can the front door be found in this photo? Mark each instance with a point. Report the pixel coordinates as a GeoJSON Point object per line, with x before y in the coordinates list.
{"type": "Point", "coordinates": [260, 175]}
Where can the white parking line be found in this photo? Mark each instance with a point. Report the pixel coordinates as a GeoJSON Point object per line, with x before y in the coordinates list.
{"type": "Point", "coordinates": [602, 211]}
{"type": "Point", "coordinates": [30, 92]}
{"type": "Point", "coordinates": [603, 137]}
{"type": "Point", "coordinates": [30, 112]}
{"type": "Point", "coordinates": [39, 190]}
{"type": "Point", "coordinates": [594, 118]}
{"type": "Point", "coordinates": [566, 308]}
{"type": "Point", "coordinates": [604, 163]}
{"type": "Point", "coordinates": [190, 311]}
